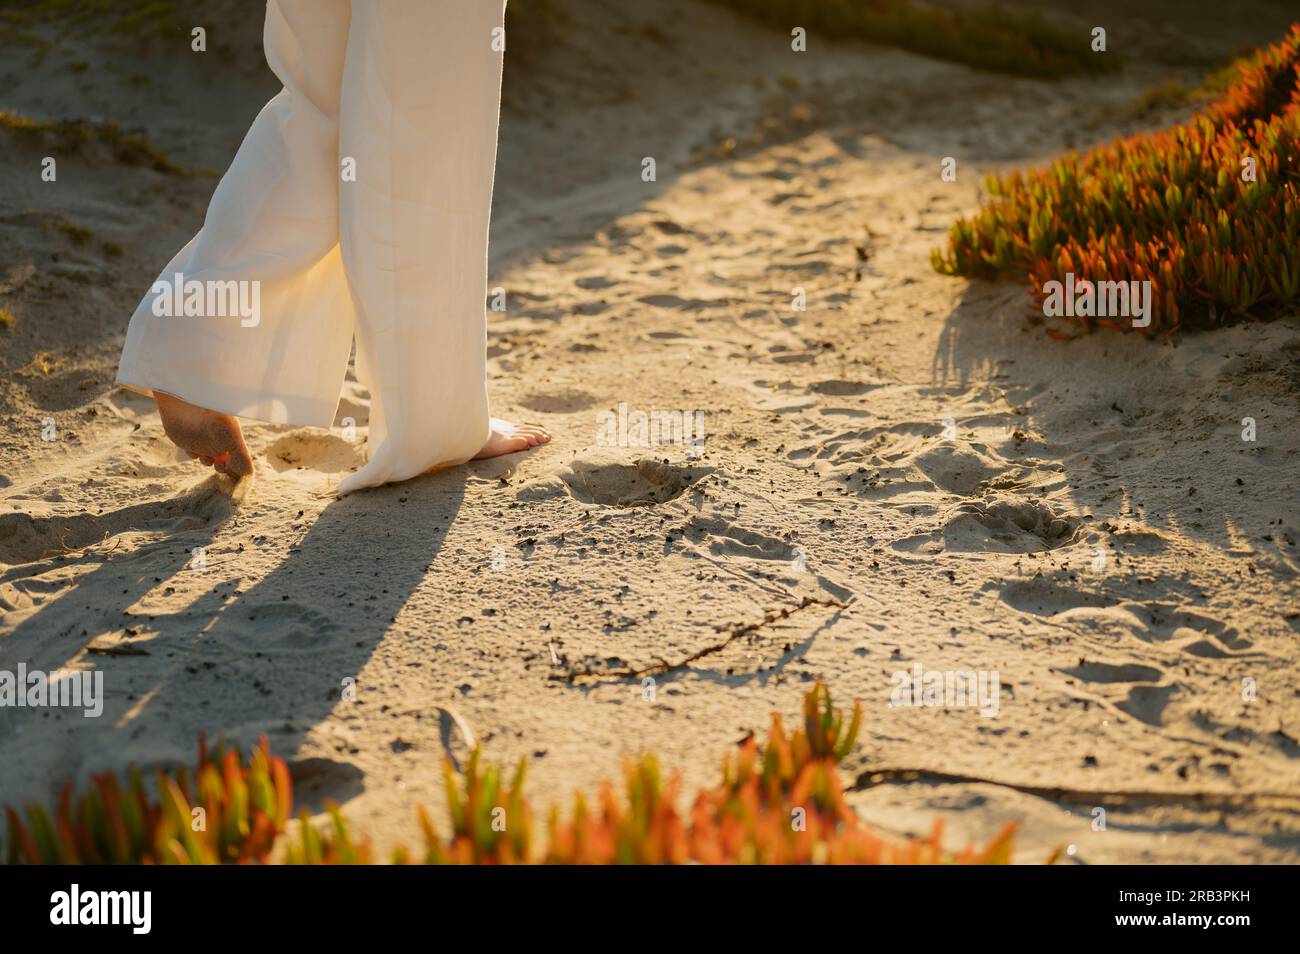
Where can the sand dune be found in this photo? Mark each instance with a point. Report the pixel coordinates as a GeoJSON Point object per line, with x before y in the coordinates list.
{"type": "Point", "coordinates": [908, 469]}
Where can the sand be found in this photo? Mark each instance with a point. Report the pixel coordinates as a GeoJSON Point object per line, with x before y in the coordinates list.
{"type": "Point", "coordinates": [905, 472]}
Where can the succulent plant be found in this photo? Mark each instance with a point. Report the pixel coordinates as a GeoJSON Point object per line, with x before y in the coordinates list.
{"type": "Point", "coordinates": [490, 823]}
{"type": "Point", "coordinates": [227, 812]}
{"type": "Point", "coordinates": [333, 846]}
{"type": "Point", "coordinates": [1208, 211]}
{"type": "Point", "coordinates": [780, 802]}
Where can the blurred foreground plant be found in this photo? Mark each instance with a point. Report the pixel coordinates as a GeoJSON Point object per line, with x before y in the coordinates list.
{"type": "Point", "coordinates": [780, 802]}
{"type": "Point", "coordinates": [227, 811]}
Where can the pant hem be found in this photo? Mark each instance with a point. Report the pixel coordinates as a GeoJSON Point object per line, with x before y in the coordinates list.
{"type": "Point", "coordinates": [298, 410]}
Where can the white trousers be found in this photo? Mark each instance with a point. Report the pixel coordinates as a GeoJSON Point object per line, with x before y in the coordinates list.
{"type": "Point", "coordinates": [357, 205]}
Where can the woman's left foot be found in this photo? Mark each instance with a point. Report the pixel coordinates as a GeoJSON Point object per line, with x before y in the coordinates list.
{"type": "Point", "coordinates": [508, 438]}
{"type": "Point", "coordinates": [205, 435]}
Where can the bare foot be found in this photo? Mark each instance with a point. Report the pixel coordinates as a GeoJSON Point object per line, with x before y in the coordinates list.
{"type": "Point", "coordinates": [206, 435]}
{"type": "Point", "coordinates": [507, 438]}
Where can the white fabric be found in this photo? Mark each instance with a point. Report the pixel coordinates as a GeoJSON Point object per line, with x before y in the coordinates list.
{"type": "Point", "coordinates": [409, 90]}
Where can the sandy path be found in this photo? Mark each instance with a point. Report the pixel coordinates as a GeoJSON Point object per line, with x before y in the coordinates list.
{"type": "Point", "coordinates": [905, 470]}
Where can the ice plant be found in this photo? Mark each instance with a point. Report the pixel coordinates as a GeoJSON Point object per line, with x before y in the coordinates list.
{"type": "Point", "coordinates": [1208, 212]}
{"type": "Point", "coordinates": [334, 846]}
{"type": "Point", "coordinates": [783, 803]}
{"type": "Point", "coordinates": [779, 802]}
{"type": "Point", "coordinates": [490, 823]}
{"type": "Point", "coordinates": [228, 811]}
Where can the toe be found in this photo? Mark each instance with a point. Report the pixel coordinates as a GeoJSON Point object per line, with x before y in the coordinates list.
{"type": "Point", "coordinates": [240, 463]}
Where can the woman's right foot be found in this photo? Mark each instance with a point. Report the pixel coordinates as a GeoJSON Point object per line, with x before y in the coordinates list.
{"type": "Point", "coordinates": [508, 438]}
{"type": "Point", "coordinates": [213, 438]}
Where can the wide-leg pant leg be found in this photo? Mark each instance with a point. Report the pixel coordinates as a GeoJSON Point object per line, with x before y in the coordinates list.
{"type": "Point", "coordinates": [273, 219]}
{"type": "Point", "coordinates": [420, 109]}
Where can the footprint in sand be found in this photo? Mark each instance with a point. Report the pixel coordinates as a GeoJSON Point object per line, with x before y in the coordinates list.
{"type": "Point", "coordinates": [612, 478]}
{"type": "Point", "coordinates": [26, 539]}
{"type": "Point", "coordinates": [315, 452]}
{"type": "Point", "coordinates": [1148, 703]}
{"type": "Point", "coordinates": [1144, 701]}
{"type": "Point", "coordinates": [595, 282]}
{"type": "Point", "coordinates": [1151, 622]}
{"type": "Point", "coordinates": [997, 523]}
{"type": "Point", "coordinates": [559, 402]}
{"type": "Point", "coordinates": [960, 469]}
{"type": "Point", "coordinates": [1042, 597]}
{"type": "Point", "coordinates": [1188, 630]}
{"type": "Point", "coordinates": [272, 628]}
{"type": "Point", "coordinates": [883, 463]}
{"type": "Point", "coordinates": [883, 444]}
{"type": "Point", "coordinates": [839, 387]}
{"type": "Point", "coordinates": [781, 397]}
{"type": "Point", "coordinates": [1102, 672]}
{"type": "Point", "coordinates": [731, 543]}
{"type": "Point", "coordinates": [683, 304]}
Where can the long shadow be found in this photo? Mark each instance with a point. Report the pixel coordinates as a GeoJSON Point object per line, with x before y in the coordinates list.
{"type": "Point", "coordinates": [270, 659]}
{"type": "Point", "coordinates": [100, 599]}
{"type": "Point", "coordinates": [1083, 406]}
